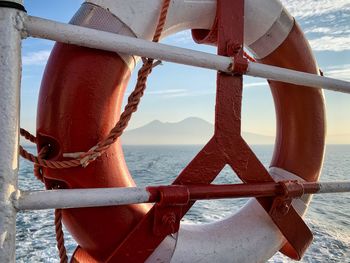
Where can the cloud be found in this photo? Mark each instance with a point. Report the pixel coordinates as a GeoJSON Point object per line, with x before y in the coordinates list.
{"type": "Point", "coordinates": [174, 93]}
{"type": "Point", "coordinates": [255, 84]}
{"type": "Point", "coordinates": [339, 72]}
{"type": "Point", "coordinates": [170, 93]}
{"type": "Point", "coordinates": [309, 8]}
{"type": "Point", "coordinates": [318, 30]}
{"type": "Point", "coordinates": [167, 91]}
{"type": "Point", "coordinates": [325, 22]}
{"type": "Point", "coordinates": [325, 43]}
{"type": "Point", "coordinates": [36, 58]}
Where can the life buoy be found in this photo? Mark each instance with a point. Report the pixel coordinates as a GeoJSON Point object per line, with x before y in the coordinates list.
{"type": "Point", "coordinates": [80, 99]}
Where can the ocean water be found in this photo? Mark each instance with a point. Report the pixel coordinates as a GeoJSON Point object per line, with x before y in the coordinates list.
{"type": "Point", "coordinates": [328, 215]}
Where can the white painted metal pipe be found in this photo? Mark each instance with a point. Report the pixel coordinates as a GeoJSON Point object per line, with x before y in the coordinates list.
{"type": "Point", "coordinates": [73, 198]}
{"type": "Point", "coordinates": [334, 187]}
{"type": "Point", "coordinates": [10, 76]}
{"type": "Point", "coordinates": [297, 77]}
{"type": "Point", "coordinates": [82, 36]}
{"type": "Point", "coordinates": [37, 200]}
{"type": "Point", "coordinates": [43, 28]}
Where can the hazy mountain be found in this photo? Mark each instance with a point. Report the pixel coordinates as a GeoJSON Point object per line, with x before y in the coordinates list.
{"type": "Point", "coordinates": [192, 131]}
{"type": "Point", "coordinates": [188, 131]}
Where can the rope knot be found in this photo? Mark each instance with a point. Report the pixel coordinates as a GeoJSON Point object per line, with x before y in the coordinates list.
{"type": "Point", "coordinates": [90, 156]}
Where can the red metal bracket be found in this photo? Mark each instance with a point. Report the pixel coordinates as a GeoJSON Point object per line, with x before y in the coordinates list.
{"type": "Point", "coordinates": [168, 211]}
{"type": "Point", "coordinates": [281, 204]}
{"type": "Point", "coordinates": [239, 63]}
{"type": "Point", "coordinates": [225, 147]}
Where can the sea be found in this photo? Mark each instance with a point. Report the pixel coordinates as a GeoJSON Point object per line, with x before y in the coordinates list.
{"type": "Point", "coordinates": [328, 216]}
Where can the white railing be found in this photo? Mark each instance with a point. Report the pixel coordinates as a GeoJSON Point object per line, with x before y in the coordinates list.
{"type": "Point", "coordinates": [10, 77]}
{"type": "Point", "coordinates": [82, 36]}
{"type": "Point", "coordinates": [14, 25]}
{"type": "Point", "coordinates": [75, 198]}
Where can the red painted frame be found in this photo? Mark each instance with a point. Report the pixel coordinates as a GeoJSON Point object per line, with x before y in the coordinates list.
{"type": "Point", "coordinates": [225, 147]}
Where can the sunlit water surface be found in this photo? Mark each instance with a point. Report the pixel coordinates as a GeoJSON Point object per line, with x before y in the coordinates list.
{"type": "Point", "coordinates": [328, 216]}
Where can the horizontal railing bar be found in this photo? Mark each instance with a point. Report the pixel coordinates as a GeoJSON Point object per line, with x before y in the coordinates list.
{"type": "Point", "coordinates": [334, 187]}
{"type": "Point", "coordinates": [74, 198]}
{"type": "Point", "coordinates": [71, 34]}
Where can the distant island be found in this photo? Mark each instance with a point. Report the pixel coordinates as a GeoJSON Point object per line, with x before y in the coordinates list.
{"type": "Point", "coordinates": [195, 131]}
{"type": "Point", "coordinates": [188, 131]}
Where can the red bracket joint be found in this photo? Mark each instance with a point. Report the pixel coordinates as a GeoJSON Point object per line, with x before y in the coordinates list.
{"type": "Point", "coordinates": [281, 204]}
{"type": "Point", "coordinates": [168, 211]}
{"type": "Point", "coordinates": [239, 63]}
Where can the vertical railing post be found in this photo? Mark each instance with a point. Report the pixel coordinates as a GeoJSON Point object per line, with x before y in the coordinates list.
{"type": "Point", "coordinates": [10, 78]}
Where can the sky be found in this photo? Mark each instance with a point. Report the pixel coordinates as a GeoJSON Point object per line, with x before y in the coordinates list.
{"type": "Point", "coordinates": [175, 92]}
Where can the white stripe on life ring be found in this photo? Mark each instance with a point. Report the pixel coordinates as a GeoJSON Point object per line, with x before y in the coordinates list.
{"type": "Point", "coordinates": [263, 19]}
{"type": "Point", "coordinates": [245, 237]}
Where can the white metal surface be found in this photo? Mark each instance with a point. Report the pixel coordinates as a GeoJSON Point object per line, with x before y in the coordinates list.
{"type": "Point", "coordinates": [37, 200]}
{"type": "Point", "coordinates": [297, 77]}
{"type": "Point", "coordinates": [38, 27]}
{"type": "Point", "coordinates": [48, 29]}
{"type": "Point", "coordinates": [334, 187]}
{"type": "Point", "coordinates": [10, 76]}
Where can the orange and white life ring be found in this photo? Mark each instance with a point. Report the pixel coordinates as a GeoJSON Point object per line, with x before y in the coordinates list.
{"type": "Point", "coordinates": [80, 100]}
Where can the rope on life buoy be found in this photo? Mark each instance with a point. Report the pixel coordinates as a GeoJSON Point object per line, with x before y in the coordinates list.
{"type": "Point", "coordinates": [91, 155]}
{"type": "Point", "coordinates": [133, 101]}
{"type": "Point", "coordinates": [37, 171]}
